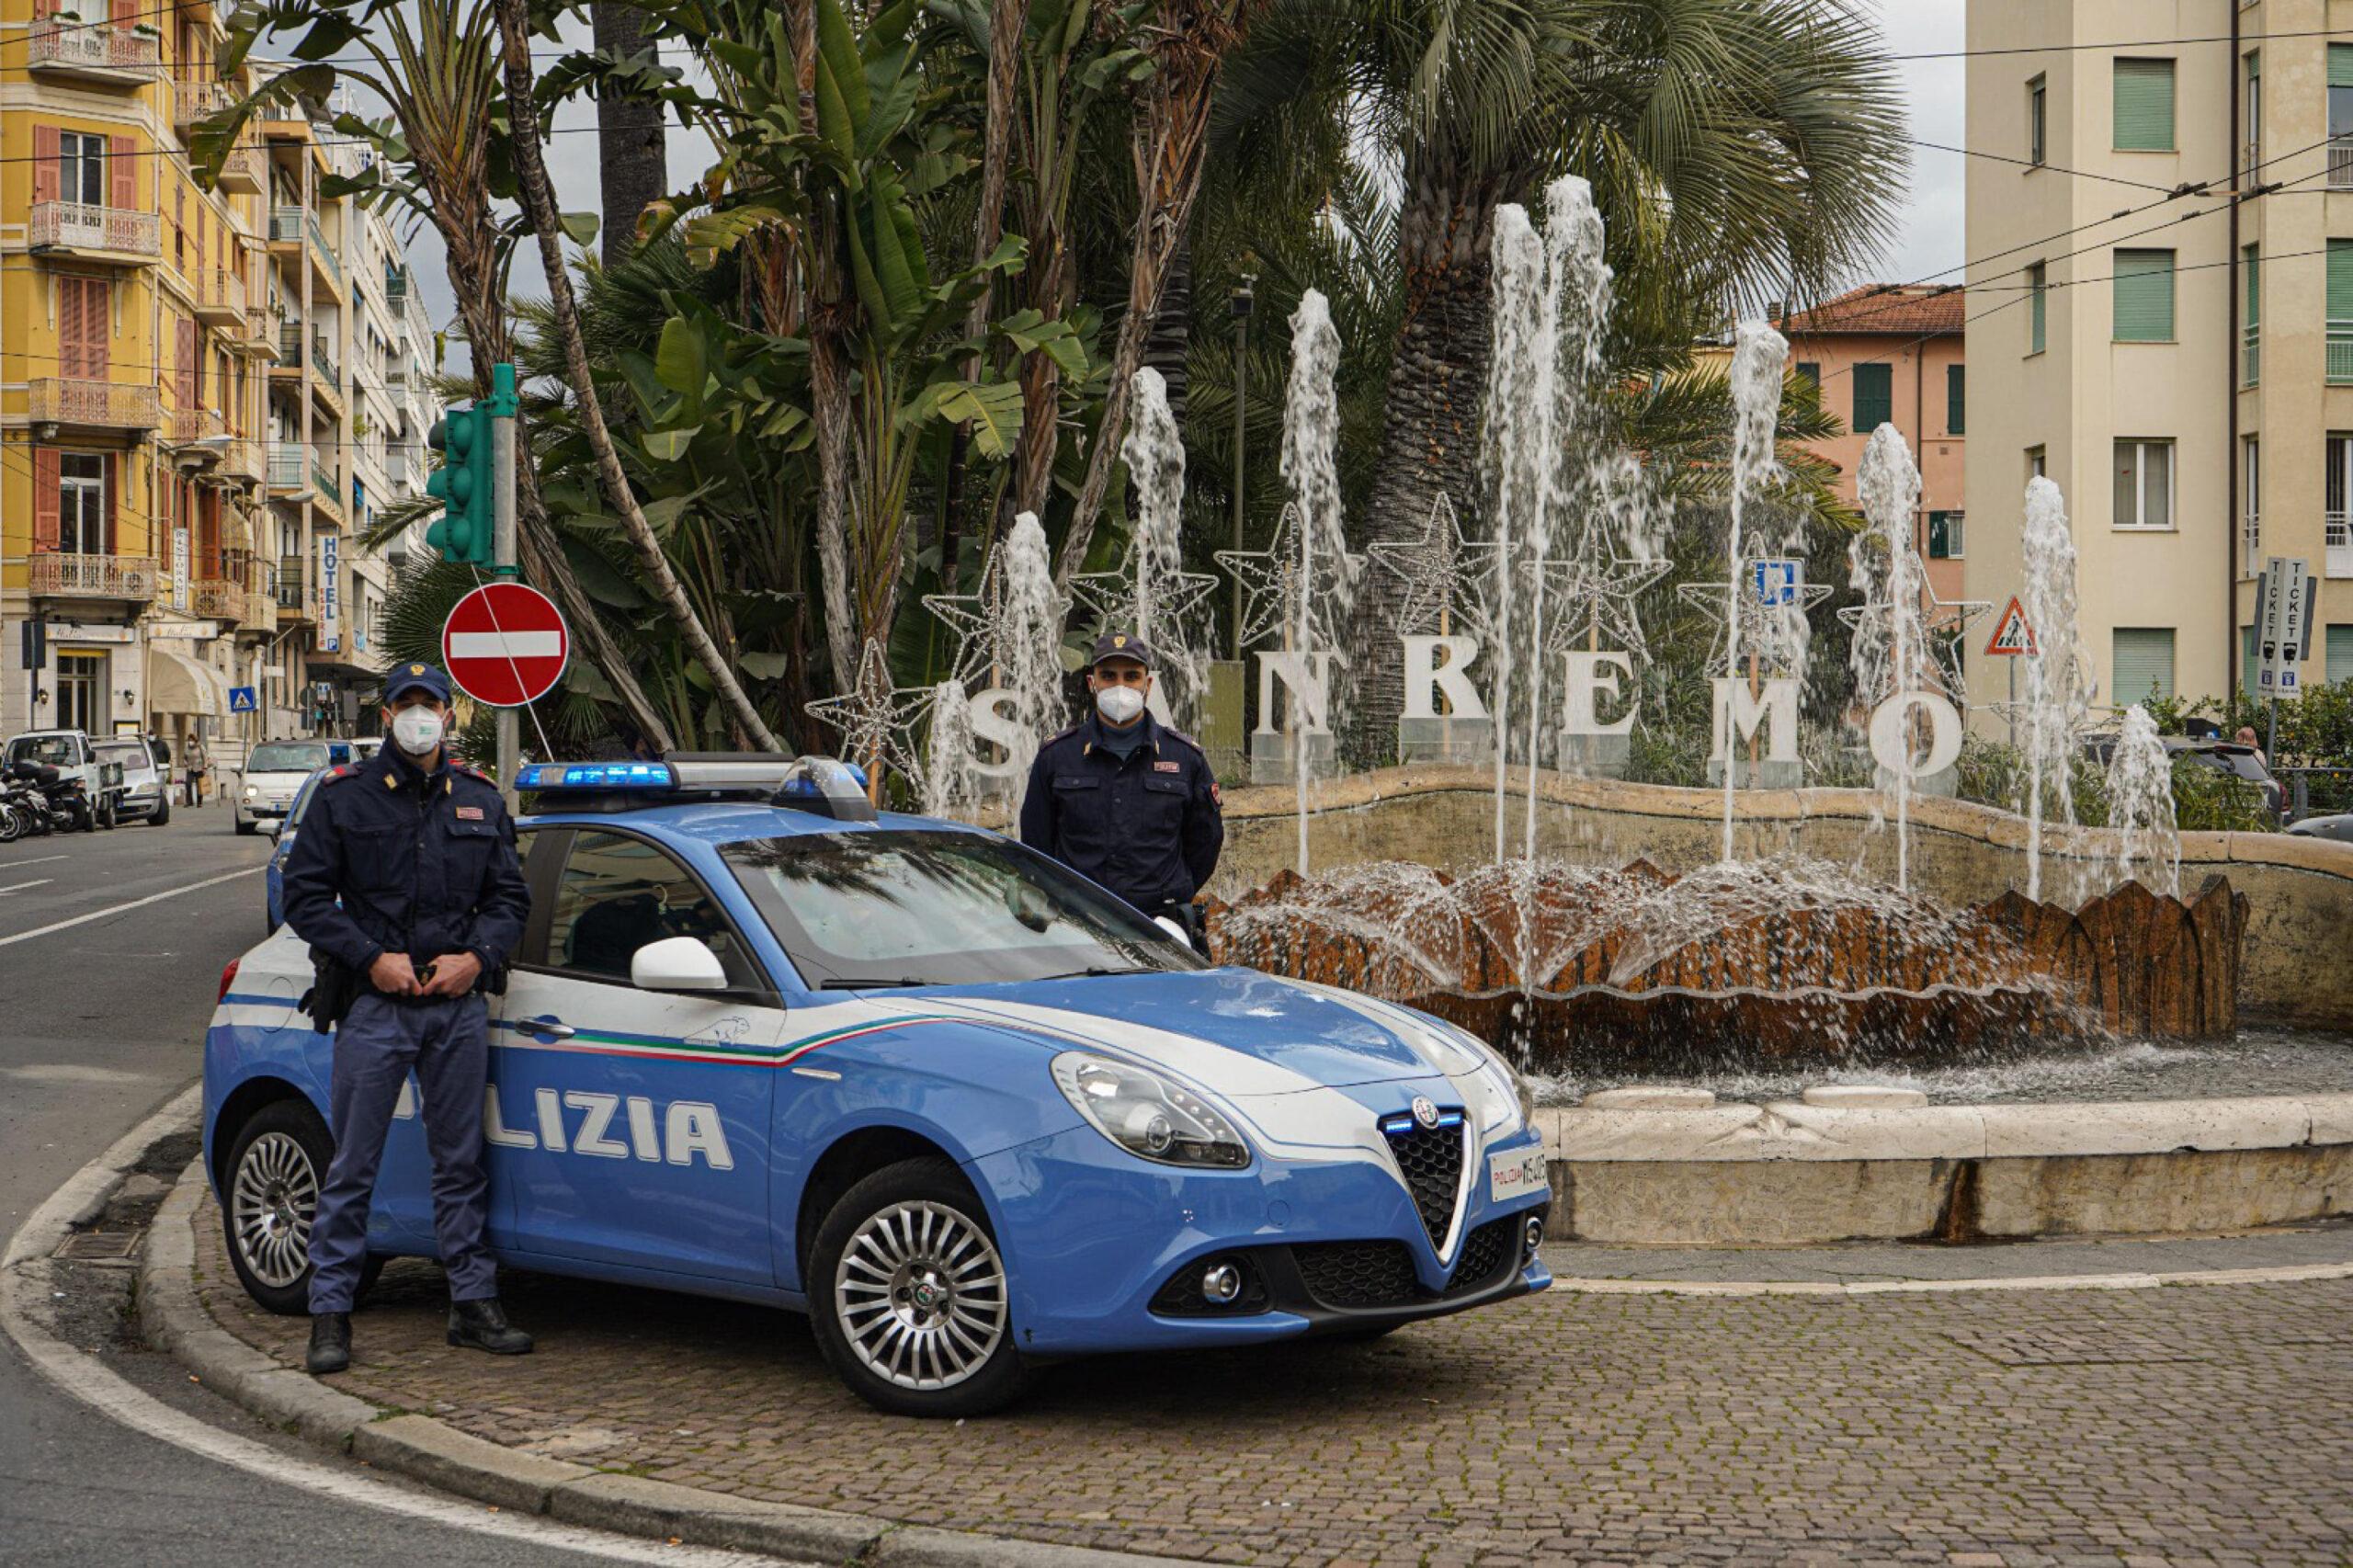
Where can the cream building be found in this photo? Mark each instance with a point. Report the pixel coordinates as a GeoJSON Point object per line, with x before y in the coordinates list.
{"type": "Point", "coordinates": [2184, 370]}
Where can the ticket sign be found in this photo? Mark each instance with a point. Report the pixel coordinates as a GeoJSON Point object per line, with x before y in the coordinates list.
{"type": "Point", "coordinates": [2284, 627]}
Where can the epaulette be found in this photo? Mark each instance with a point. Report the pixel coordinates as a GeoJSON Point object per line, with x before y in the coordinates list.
{"type": "Point", "coordinates": [472, 772]}
{"type": "Point", "coordinates": [1064, 736]}
{"type": "Point", "coordinates": [1175, 735]}
{"type": "Point", "coordinates": [340, 770]}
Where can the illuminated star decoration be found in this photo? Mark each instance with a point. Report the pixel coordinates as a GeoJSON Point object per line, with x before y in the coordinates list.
{"type": "Point", "coordinates": [1426, 569]}
{"type": "Point", "coordinates": [877, 719]}
{"type": "Point", "coordinates": [1273, 594]}
{"type": "Point", "coordinates": [1114, 600]}
{"type": "Point", "coordinates": [1946, 624]}
{"type": "Point", "coordinates": [987, 623]}
{"type": "Point", "coordinates": [1583, 600]}
{"type": "Point", "coordinates": [1767, 631]}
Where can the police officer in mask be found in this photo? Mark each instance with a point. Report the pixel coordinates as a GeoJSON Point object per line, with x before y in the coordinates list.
{"type": "Point", "coordinates": [404, 881]}
{"type": "Point", "coordinates": [1124, 800]}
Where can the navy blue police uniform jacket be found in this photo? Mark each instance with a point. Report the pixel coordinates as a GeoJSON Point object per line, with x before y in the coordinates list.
{"type": "Point", "coordinates": [423, 863]}
{"type": "Point", "coordinates": [1149, 826]}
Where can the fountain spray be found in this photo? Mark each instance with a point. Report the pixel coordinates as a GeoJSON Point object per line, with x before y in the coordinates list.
{"type": "Point", "coordinates": [1030, 660]}
{"type": "Point", "coordinates": [1757, 358]}
{"type": "Point", "coordinates": [1311, 438]}
{"type": "Point", "coordinates": [2140, 804]}
{"type": "Point", "coordinates": [1889, 653]}
{"type": "Point", "coordinates": [2058, 698]}
{"type": "Point", "coordinates": [1518, 373]}
{"type": "Point", "coordinates": [1154, 450]}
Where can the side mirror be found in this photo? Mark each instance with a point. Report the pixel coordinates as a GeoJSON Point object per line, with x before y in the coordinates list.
{"type": "Point", "coordinates": [1173, 929]}
{"type": "Point", "coordinates": [677, 963]}
{"type": "Point", "coordinates": [277, 826]}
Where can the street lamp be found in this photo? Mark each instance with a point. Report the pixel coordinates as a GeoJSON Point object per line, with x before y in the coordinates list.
{"type": "Point", "coordinates": [1242, 302]}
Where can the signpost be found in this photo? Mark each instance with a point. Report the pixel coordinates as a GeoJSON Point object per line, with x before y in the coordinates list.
{"type": "Point", "coordinates": [1778, 580]}
{"type": "Point", "coordinates": [2283, 634]}
{"type": "Point", "coordinates": [242, 699]}
{"type": "Point", "coordinates": [2013, 634]}
{"type": "Point", "coordinates": [506, 644]}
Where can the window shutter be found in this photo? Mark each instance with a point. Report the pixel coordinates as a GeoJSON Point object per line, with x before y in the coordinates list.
{"type": "Point", "coordinates": [122, 173]}
{"type": "Point", "coordinates": [124, 13]}
{"type": "Point", "coordinates": [1874, 397]}
{"type": "Point", "coordinates": [106, 467]}
{"type": "Point", "coordinates": [2246, 660]}
{"type": "Point", "coordinates": [44, 9]}
{"type": "Point", "coordinates": [49, 152]}
{"type": "Point", "coordinates": [2143, 296]}
{"type": "Point", "coordinates": [2340, 653]}
{"type": "Point", "coordinates": [2340, 280]}
{"type": "Point", "coordinates": [1956, 399]}
{"type": "Point", "coordinates": [2144, 106]}
{"type": "Point", "coordinates": [98, 327]}
{"type": "Point", "coordinates": [184, 361]}
{"type": "Point", "coordinates": [72, 330]}
{"type": "Point", "coordinates": [2036, 300]}
{"type": "Point", "coordinates": [2144, 663]}
{"type": "Point", "coordinates": [45, 498]}
{"type": "Point", "coordinates": [2253, 259]}
{"type": "Point", "coordinates": [2340, 66]}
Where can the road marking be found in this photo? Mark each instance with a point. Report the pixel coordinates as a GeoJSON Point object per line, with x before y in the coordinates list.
{"type": "Point", "coordinates": [114, 909]}
{"type": "Point", "coordinates": [19, 887]}
{"type": "Point", "coordinates": [89, 1380]}
{"type": "Point", "coordinates": [36, 860]}
{"type": "Point", "coordinates": [2124, 1279]}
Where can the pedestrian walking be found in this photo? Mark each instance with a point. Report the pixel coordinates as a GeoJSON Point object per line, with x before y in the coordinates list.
{"type": "Point", "coordinates": [194, 767]}
{"type": "Point", "coordinates": [1124, 800]}
{"type": "Point", "coordinates": [405, 882]}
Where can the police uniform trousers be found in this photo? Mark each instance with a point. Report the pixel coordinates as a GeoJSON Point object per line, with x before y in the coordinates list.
{"type": "Point", "coordinates": [446, 1041]}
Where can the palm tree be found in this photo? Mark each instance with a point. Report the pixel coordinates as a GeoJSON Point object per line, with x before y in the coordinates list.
{"type": "Point", "coordinates": [631, 149]}
{"type": "Point", "coordinates": [1738, 149]}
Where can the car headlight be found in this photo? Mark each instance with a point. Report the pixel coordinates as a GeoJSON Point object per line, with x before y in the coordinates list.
{"type": "Point", "coordinates": [1147, 1115]}
{"type": "Point", "coordinates": [251, 791]}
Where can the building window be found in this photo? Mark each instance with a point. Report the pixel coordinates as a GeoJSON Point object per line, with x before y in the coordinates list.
{"type": "Point", "coordinates": [2143, 484]}
{"type": "Point", "coordinates": [2038, 464]}
{"type": "Point", "coordinates": [2252, 125]}
{"type": "Point", "coordinates": [2037, 289]}
{"type": "Point", "coordinates": [2338, 642]}
{"type": "Point", "coordinates": [1945, 539]}
{"type": "Point", "coordinates": [2037, 144]}
{"type": "Point", "coordinates": [1810, 372]}
{"type": "Point", "coordinates": [2144, 663]}
{"type": "Point", "coordinates": [2336, 503]}
{"type": "Point", "coordinates": [2143, 106]}
{"type": "Point", "coordinates": [2340, 312]}
{"type": "Point", "coordinates": [1956, 399]}
{"type": "Point", "coordinates": [82, 168]}
{"type": "Point", "coordinates": [82, 503]}
{"type": "Point", "coordinates": [1874, 397]}
{"type": "Point", "coordinates": [2251, 336]}
{"type": "Point", "coordinates": [2340, 115]}
{"type": "Point", "coordinates": [2144, 292]}
{"type": "Point", "coordinates": [2251, 502]}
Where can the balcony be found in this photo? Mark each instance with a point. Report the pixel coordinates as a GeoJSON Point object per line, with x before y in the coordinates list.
{"type": "Point", "coordinates": [258, 335]}
{"type": "Point", "coordinates": [2251, 357]}
{"type": "Point", "coordinates": [195, 102]}
{"type": "Point", "coordinates": [102, 406]}
{"type": "Point", "coordinates": [191, 426]}
{"type": "Point", "coordinates": [261, 612]}
{"type": "Point", "coordinates": [218, 599]}
{"type": "Point", "coordinates": [2340, 163]}
{"type": "Point", "coordinates": [2339, 541]}
{"type": "Point", "coordinates": [325, 496]}
{"type": "Point", "coordinates": [241, 459]}
{"type": "Point", "coordinates": [293, 228]}
{"type": "Point", "coordinates": [103, 56]}
{"type": "Point", "coordinates": [96, 233]}
{"type": "Point", "coordinates": [220, 294]}
{"type": "Point", "coordinates": [129, 579]}
{"type": "Point", "coordinates": [241, 172]}
{"type": "Point", "coordinates": [289, 470]}
{"type": "Point", "coordinates": [2251, 544]}
{"type": "Point", "coordinates": [2340, 353]}
{"type": "Point", "coordinates": [295, 601]}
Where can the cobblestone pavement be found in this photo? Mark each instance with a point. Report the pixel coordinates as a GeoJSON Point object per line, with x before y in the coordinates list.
{"type": "Point", "coordinates": [2190, 1425]}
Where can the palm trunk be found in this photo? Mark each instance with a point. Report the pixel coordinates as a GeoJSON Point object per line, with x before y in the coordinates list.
{"type": "Point", "coordinates": [631, 149]}
{"type": "Point", "coordinates": [539, 206]}
{"type": "Point", "coordinates": [1170, 343]}
{"type": "Point", "coordinates": [829, 398]}
{"type": "Point", "coordinates": [1430, 428]}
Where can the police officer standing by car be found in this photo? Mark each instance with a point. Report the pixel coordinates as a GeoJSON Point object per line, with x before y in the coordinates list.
{"type": "Point", "coordinates": [1124, 800]}
{"type": "Point", "coordinates": [405, 882]}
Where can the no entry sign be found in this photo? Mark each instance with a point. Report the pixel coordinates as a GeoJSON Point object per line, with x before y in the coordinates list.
{"type": "Point", "coordinates": [506, 644]}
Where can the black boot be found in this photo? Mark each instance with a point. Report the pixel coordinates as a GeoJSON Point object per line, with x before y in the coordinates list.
{"type": "Point", "coordinates": [483, 1325]}
{"type": "Point", "coordinates": [330, 1342]}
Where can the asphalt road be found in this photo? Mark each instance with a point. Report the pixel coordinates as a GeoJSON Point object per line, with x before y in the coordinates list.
{"type": "Point", "coordinates": [105, 1020]}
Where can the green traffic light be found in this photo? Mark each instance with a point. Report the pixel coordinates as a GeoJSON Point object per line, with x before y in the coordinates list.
{"type": "Point", "coordinates": [466, 531]}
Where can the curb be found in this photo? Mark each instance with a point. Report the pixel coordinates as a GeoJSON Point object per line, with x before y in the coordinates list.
{"type": "Point", "coordinates": [172, 1319]}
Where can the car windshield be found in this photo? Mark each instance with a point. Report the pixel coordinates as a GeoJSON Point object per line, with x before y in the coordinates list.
{"type": "Point", "coordinates": [50, 751]}
{"type": "Point", "coordinates": [939, 908]}
{"type": "Point", "coordinates": [287, 756]}
{"type": "Point", "coordinates": [130, 754]}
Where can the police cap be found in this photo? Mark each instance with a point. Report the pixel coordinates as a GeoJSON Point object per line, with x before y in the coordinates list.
{"type": "Point", "coordinates": [402, 679]}
{"type": "Point", "coordinates": [1121, 645]}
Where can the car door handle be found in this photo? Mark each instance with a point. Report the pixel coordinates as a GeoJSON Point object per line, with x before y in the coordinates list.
{"type": "Point", "coordinates": [547, 1029]}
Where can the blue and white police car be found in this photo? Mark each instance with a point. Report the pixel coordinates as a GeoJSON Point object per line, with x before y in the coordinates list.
{"type": "Point", "coordinates": [963, 1108]}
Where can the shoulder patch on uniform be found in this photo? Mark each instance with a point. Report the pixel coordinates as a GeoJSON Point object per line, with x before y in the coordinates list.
{"type": "Point", "coordinates": [470, 771]}
{"type": "Point", "coordinates": [341, 770]}
{"type": "Point", "coordinates": [1166, 767]}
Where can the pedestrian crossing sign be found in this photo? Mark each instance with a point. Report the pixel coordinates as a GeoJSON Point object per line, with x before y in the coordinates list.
{"type": "Point", "coordinates": [2013, 634]}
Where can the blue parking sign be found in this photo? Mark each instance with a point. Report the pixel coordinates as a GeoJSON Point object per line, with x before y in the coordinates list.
{"type": "Point", "coordinates": [241, 699]}
{"type": "Point", "coordinates": [1778, 580]}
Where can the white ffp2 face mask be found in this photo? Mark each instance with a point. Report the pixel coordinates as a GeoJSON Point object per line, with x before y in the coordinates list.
{"type": "Point", "coordinates": [418, 729]}
{"type": "Point", "coordinates": [1121, 704]}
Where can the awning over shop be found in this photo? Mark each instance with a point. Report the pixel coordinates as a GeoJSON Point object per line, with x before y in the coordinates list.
{"type": "Point", "coordinates": [178, 684]}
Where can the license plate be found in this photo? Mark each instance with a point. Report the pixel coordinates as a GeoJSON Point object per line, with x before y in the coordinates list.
{"type": "Point", "coordinates": [1515, 1175]}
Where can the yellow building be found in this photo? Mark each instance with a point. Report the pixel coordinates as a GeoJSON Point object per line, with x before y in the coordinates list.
{"type": "Point", "coordinates": [174, 419]}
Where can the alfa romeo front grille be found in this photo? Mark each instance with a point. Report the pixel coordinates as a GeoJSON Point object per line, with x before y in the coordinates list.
{"type": "Point", "coordinates": [1431, 1159]}
{"type": "Point", "coordinates": [1358, 1274]}
{"type": "Point", "coordinates": [1485, 1251]}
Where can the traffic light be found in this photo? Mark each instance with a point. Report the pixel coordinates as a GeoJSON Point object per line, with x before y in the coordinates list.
{"type": "Point", "coordinates": [466, 532]}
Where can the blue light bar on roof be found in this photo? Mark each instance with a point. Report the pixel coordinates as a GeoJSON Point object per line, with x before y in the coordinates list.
{"type": "Point", "coordinates": [595, 775]}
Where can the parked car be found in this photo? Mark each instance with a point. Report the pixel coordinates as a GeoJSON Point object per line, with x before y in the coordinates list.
{"type": "Point", "coordinates": [274, 771]}
{"type": "Point", "coordinates": [960, 1105]}
{"type": "Point", "coordinates": [146, 790]}
{"type": "Point", "coordinates": [75, 756]}
{"type": "Point", "coordinates": [284, 829]}
{"type": "Point", "coordinates": [2338, 825]}
{"type": "Point", "coordinates": [2243, 763]}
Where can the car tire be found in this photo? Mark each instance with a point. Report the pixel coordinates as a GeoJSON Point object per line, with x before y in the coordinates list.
{"type": "Point", "coordinates": [109, 816]}
{"type": "Point", "coordinates": [162, 813]}
{"type": "Point", "coordinates": [245, 827]}
{"type": "Point", "coordinates": [916, 1227]}
{"type": "Point", "coordinates": [269, 1196]}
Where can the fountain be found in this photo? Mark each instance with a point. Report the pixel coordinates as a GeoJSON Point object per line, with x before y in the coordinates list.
{"type": "Point", "coordinates": [2140, 805]}
{"type": "Point", "coordinates": [1758, 356]}
{"type": "Point", "coordinates": [2058, 693]}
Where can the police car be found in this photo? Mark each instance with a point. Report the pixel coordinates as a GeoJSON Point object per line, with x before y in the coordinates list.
{"type": "Point", "coordinates": [963, 1108]}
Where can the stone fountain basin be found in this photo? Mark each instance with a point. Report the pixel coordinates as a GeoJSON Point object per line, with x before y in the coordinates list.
{"type": "Point", "coordinates": [1632, 1167]}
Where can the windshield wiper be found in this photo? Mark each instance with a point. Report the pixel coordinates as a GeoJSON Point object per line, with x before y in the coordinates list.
{"type": "Point", "coordinates": [841, 984]}
{"type": "Point", "coordinates": [1096, 971]}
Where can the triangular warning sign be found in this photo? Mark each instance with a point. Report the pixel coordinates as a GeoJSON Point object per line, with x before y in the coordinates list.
{"type": "Point", "coordinates": [2012, 634]}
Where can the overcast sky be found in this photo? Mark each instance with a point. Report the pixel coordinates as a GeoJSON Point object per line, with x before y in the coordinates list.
{"type": "Point", "coordinates": [1928, 242]}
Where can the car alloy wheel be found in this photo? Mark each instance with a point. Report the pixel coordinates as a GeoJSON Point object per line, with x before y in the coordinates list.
{"type": "Point", "coordinates": [920, 1294]}
{"type": "Point", "coordinates": [271, 1206]}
